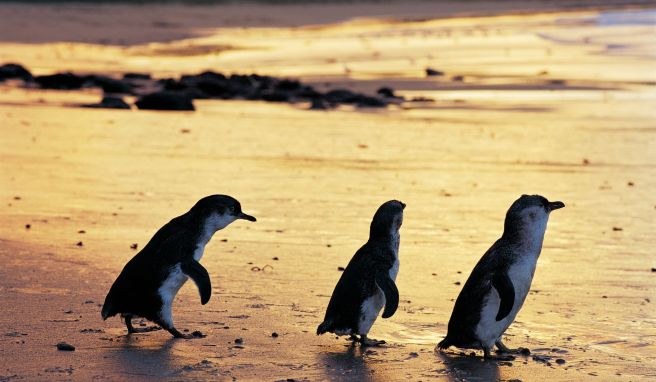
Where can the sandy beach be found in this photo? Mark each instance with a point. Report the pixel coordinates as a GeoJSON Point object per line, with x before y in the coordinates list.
{"type": "Point", "coordinates": [555, 101]}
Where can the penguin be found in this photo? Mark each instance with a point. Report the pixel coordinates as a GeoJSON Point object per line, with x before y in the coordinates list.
{"type": "Point", "coordinates": [149, 282]}
{"type": "Point", "coordinates": [497, 287]}
{"type": "Point", "coordinates": [367, 283]}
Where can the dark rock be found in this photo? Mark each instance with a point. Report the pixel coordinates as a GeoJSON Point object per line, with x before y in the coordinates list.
{"type": "Point", "coordinates": [276, 96]}
{"type": "Point", "coordinates": [319, 104]}
{"type": "Point", "coordinates": [14, 71]}
{"type": "Point", "coordinates": [63, 346]}
{"type": "Point", "coordinates": [560, 361]}
{"type": "Point", "coordinates": [458, 78]}
{"type": "Point", "coordinates": [653, 269]}
{"type": "Point", "coordinates": [217, 88]}
{"type": "Point", "coordinates": [165, 101]}
{"type": "Point", "coordinates": [61, 81]}
{"type": "Point", "coordinates": [243, 80]}
{"type": "Point", "coordinates": [386, 92]}
{"type": "Point", "coordinates": [525, 351]}
{"type": "Point", "coordinates": [133, 246]}
{"type": "Point", "coordinates": [109, 85]}
{"type": "Point", "coordinates": [430, 72]}
{"type": "Point", "coordinates": [341, 269]}
{"type": "Point", "coordinates": [274, 335]}
{"type": "Point", "coordinates": [28, 226]}
{"type": "Point", "coordinates": [205, 76]}
{"type": "Point", "coordinates": [618, 229]}
{"type": "Point", "coordinates": [367, 101]}
{"type": "Point", "coordinates": [136, 76]}
{"type": "Point", "coordinates": [80, 244]}
{"type": "Point", "coordinates": [198, 334]}
{"type": "Point", "coordinates": [307, 92]}
{"type": "Point", "coordinates": [340, 96]}
{"type": "Point", "coordinates": [288, 85]}
{"type": "Point", "coordinates": [239, 341]}
{"type": "Point", "coordinates": [109, 102]}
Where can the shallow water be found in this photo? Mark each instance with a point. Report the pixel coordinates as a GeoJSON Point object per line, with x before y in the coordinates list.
{"type": "Point", "coordinates": [314, 179]}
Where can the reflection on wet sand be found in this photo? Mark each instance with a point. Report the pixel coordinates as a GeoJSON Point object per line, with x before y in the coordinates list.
{"type": "Point", "coordinates": [468, 368]}
{"type": "Point", "coordinates": [347, 365]}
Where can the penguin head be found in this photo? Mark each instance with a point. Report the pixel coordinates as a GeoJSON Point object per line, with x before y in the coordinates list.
{"type": "Point", "coordinates": [529, 214]}
{"type": "Point", "coordinates": [217, 211]}
{"type": "Point", "coordinates": [387, 220]}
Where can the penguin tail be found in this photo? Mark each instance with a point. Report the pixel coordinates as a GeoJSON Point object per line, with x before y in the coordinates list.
{"type": "Point", "coordinates": [324, 327]}
{"type": "Point", "coordinates": [107, 311]}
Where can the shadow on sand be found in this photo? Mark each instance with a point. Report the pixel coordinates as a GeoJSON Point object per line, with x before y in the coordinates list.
{"type": "Point", "coordinates": [349, 365]}
{"type": "Point", "coordinates": [142, 356]}
{"type": "Point", "coordinates": [468, 368]}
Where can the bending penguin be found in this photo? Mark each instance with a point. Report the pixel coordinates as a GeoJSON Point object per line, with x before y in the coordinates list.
{"type": "Point", "coordinates": [149, 282]}
{"type": "Point", "coordinates": [497, 287]}
{"type": "Point", "coordinates": [367, 283]}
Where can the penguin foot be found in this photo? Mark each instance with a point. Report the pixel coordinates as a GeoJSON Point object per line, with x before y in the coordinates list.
{"type": "Point", "coordinates": [503, 349]}
{"type": "Point", "coordinates": [190, 336]}
{"type": "Point", "coordinates": [488, 356]}
{"type": "Point", "coordinates": [365, 342]}
{"type": "Point", "coordinates": [144, 330]}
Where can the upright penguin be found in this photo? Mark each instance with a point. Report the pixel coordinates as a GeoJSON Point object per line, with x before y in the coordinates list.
{"type": "Point", "coordinates": [149, 282]}
{"type": "Point", "coordinates": [499, 283]}
{"type": "Point", "coordinates": [367, 283]}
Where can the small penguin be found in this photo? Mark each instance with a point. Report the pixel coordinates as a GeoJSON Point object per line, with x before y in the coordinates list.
{"type": "Point", "coordinates": [149, 282]}
{"type": "Point", "coordinates": [367, 283]}
{"type": "Point", "coordinates": [499, 283]}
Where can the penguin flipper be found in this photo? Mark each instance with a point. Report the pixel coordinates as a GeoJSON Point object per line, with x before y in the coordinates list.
{"type": "Point", "coordinates": [199, 274]}
{"type": "Point", "coordinates": [385, 283]}
{"type": "Point", "coordinates": [504, 286]}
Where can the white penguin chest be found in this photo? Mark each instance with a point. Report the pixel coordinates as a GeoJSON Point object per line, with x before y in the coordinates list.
{"type": "Point", "coordinates": [520, 273]}
{"type": "Point", "coordinates": [394, 271]}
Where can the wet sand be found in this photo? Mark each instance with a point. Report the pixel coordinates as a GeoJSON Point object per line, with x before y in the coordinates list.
{"type": "Point", "coordinates": [556, 104]}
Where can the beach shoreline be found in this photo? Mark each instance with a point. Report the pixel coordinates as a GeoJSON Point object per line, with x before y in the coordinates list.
{"type": "Point", "coordinates": [135, 24]}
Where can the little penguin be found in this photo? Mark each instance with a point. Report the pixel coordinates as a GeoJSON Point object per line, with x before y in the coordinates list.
{"type": "Point", "coordinates": [497, 287]}
{"type": "Point", "coordinates": [149, 282]}
{"type": "Point", "coordinates": [367, 283]}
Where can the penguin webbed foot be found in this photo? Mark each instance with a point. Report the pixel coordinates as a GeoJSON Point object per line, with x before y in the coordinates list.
{"type": "Point", "coordinates": [503, 349]}
{"type": "Point", "coordinates": [488, 356]}
{"type": "Point", "coordinates": [370, 342]}
{"type": "Point", "coordinates": [190, 336]}
{"type": "Point", "coordinates": [132, 329]}
{"type": "Point", "coordinates": [147, 329]}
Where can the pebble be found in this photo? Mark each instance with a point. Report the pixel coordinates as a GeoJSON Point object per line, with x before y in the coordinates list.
{"type": "Point", "coordinates": [341, 269]}
{"type": "Point", "coordinates": [430, 72]}
{"type": "Point", "coordinates": [560, 361]}
{"type": "Point", "coordinates": [239, 341]}
{"type": "Point", "coordinates": [274, 335]}
{"type": "Point", "coordinates": [63, 346]}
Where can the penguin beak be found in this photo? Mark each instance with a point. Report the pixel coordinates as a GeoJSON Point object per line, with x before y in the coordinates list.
{"type": "Point", "coordinates": [246, 217]}
{"type": "Point", "coordinates": [555, 205]}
